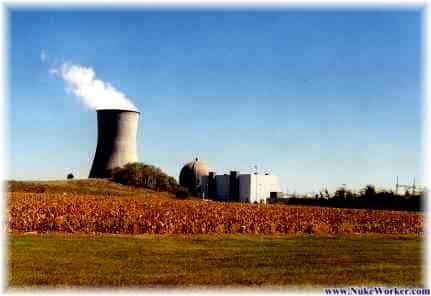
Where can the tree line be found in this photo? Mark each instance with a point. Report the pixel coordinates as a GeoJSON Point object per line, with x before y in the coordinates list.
{"type": "Point", "coordinates": [367, 198]}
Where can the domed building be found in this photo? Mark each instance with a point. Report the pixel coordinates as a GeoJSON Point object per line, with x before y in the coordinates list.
{"type": "Point", "coordinates": [191, 174]}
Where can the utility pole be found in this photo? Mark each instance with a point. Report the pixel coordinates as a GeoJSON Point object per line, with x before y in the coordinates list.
{"type": "Point", "coordinates": [256, 173]}
{"type": "Point", "coordinates": [406, 187]}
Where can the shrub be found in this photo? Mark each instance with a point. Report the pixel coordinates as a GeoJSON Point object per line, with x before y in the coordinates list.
{"type": "Point", "coordinates": [144, 175]}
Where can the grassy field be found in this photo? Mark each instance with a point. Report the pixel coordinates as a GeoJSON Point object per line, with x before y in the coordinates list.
{"type": "Point", "coordinates": [63, 260]}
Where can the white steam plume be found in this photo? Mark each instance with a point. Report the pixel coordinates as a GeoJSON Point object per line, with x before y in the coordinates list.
{"type": "Point", "coordinates": [94, 93]}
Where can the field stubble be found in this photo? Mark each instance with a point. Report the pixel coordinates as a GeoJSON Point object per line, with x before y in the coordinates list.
{"type": "Point", "coordinates": [57, 212]}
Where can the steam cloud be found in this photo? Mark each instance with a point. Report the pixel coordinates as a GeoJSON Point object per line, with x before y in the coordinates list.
{"type": "Point", "coordinates": [94, 93]}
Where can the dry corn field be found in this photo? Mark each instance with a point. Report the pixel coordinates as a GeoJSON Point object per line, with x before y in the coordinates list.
{"type": "Point", "coordinates": [48, 212]}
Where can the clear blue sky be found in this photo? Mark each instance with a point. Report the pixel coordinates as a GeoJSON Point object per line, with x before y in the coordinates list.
{"type": "Point", "coordinates": [318, 97]}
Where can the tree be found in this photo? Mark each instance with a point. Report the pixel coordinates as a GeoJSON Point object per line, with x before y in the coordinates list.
{"type": "Point", "coordinates": [340, 193]}
{"type": "Point", "coordinates": [70, 176]}
{"type": "Point", "coordinates": [172, 183]}
{"type": "Point", "coordinates": [369, 191]}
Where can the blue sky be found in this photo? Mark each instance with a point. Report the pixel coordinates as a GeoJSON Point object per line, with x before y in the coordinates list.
{"type": "Point", "coordinates": [318, 97]}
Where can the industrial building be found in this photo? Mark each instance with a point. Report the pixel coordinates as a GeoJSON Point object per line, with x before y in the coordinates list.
{"type": "Point", "coordinates": [239, 187]}
{"type": "Point", "coordinates": [116, 146]}
{"type": "Point", "coordinates": [191, 175]}
{"type": "Point", "coordinates": [116, 141]}
{"type": "Point", "coordinates": [251, 188]}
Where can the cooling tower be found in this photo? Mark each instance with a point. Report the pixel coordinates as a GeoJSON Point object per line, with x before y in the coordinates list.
{"type": "Point", "coordinates": [116, 141]}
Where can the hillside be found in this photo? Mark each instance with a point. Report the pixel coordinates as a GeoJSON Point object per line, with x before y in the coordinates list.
{"type": "Point", "coordinates": [100, 187]}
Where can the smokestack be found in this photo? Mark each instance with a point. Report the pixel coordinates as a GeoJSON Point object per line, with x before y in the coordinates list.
{"type": "Point", "coordinates": [116, 141]}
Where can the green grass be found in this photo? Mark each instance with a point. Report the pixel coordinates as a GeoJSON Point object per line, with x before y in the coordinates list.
{"type": "Point", "coordinates": [231, 260]}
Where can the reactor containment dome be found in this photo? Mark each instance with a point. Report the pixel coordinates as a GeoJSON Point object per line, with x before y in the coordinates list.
{"type": "Point", "coordinates": [191, 175]}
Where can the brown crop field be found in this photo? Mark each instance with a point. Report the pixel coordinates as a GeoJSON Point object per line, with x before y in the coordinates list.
{"type": "Point", "coordinates": [68, 212]}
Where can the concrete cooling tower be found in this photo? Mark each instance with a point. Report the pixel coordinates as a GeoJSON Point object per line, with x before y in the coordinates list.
{"type": "Point", "coordinates": [116, 141]}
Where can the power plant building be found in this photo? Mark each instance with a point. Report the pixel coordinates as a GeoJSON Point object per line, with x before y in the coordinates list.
{"type": "Point", "coordinates": [239, 187]}
{"type": "Point", "coordinates": [191, 175]}
{"type": "Point", "coordinates": [116, 141]}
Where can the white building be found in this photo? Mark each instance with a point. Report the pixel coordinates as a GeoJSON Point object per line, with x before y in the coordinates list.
{"type": "Point", "coordinates": [257, 188]}
{"type": "Point", "coordinates": [247, 187]}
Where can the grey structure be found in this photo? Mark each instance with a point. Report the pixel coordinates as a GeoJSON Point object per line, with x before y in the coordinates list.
{"type": "Point", "coordinates": [116, 141]}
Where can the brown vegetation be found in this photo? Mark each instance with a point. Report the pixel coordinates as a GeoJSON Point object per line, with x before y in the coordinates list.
{"type": "Point", "coordinates": [68, 212]}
